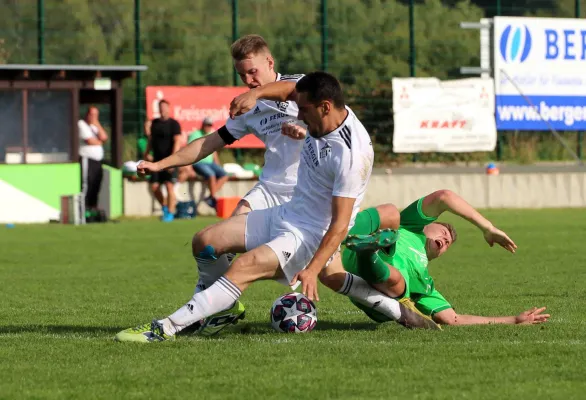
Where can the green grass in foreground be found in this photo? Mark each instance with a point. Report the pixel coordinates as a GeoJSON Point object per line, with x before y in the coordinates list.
{"type": "Point", "coordinates": [67, 290]}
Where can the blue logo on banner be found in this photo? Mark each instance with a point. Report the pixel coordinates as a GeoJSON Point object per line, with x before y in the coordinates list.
{"type": "Point", "coordinates": [518, 47]}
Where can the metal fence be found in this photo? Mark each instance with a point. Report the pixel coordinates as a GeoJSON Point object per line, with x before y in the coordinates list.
{"type": "Point", "coordinates": [363, 42]}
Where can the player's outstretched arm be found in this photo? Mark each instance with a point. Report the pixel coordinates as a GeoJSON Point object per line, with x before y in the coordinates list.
{"type": "Point", "coordinates": [529, 317]}
{"type": "Point", "coordinates": [440, 201]}
{"type": "Point", "coordinates": [276, 91]}
{"type": "Point", "coordinates": [192, 153]}
{"type": "Point", "coordinates": [341, 214]}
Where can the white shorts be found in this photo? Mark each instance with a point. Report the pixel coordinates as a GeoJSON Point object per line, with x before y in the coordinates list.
{"type": "Point", "coordinates": [293, 246]}
{"type": "Point", "coordinates": [261, 197]}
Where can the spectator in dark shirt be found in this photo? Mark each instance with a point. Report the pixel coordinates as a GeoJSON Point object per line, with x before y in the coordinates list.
{"type": "Point", "coordinates": [164, 139]}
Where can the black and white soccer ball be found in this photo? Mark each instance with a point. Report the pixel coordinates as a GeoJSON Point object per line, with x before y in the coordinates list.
{"type": "Point", "coordinates": [293, 312]}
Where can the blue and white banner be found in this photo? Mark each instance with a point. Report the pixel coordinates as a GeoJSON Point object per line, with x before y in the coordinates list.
{"type": "Point", "coordinates": [540, 73]}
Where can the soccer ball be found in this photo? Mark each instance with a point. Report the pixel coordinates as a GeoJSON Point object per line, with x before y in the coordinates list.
{"type": "Point", "coordinates": [293, 312]}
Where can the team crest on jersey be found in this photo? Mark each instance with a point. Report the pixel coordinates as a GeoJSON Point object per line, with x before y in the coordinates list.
{"type": "Point", "coordinates": [282, 105]}
{"type": "Point", "coordinates": [325, 151]}
{"type": "Point", "coordinates": [366, 168]}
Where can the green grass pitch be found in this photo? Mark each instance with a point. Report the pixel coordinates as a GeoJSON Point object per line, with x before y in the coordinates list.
{"type": "Point", "coordinates": [67, 290]}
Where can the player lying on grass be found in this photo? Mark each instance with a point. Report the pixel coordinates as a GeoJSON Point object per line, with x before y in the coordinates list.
{"type": "Point", "coordinates": [401, 270]}
{"type": "Point", "coordinates": [295, 241]}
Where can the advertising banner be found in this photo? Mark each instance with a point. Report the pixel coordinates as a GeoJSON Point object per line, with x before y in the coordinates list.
{"type": "Point", "coordinates": [540, 73]}
{"type": "Point", "coordinates": [443, 116]}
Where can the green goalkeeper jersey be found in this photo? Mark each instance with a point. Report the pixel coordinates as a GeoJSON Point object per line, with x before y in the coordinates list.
{"type": "Point", "coordinates": [408, 255]}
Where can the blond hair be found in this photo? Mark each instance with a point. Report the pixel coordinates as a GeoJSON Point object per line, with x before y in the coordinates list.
{"type": "Point", "coordinates": [248, 45]}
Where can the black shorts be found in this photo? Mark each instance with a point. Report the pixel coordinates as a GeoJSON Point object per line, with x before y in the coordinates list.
{"type": "Point", "coordinates": [164, 176]}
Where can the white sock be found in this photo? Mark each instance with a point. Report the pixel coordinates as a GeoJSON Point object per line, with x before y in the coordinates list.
{"type": "Point", "coordinates": [359, 290]}
{"type": "Point", "coordinates": [211, 270]}
{"type": "Point", "coordinates": [219, 296]}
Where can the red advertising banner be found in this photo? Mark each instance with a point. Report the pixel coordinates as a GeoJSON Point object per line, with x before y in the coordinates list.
{"type": "Point", "coordinates": [191, 104]}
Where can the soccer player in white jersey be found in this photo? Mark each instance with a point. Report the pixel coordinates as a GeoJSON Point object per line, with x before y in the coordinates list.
{"type": "Point", "coordinates": [294, 241]}
{"type": "Point", "coordinates": [273, 122]}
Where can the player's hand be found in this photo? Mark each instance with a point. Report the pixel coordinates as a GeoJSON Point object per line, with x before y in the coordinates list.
{"type": "Point", "coordinates": [308, 283]}
{"type": "Point", "coordinates": [293, 131]}
{"type": "Point", "coordinates": [243, 103]}
{"type": "Point", "coordinates": [146, 167]}
{"type": "Point", "coordinates": [494, 235]}
{"type": "Point", "coordinates": [533, 316]}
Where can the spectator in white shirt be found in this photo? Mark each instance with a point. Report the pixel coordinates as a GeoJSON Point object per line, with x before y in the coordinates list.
{"type": "Point", "coordinates": [92, 136]}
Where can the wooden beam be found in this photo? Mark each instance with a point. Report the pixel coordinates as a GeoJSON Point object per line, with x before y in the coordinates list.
{"type": "Point", "coordinates": [63, 84]}
{"type": "Point", "coordinates": [40, 85]}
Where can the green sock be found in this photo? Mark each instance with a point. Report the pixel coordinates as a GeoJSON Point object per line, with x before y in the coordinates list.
{"type": "Point", "coordinates": [372, 268]}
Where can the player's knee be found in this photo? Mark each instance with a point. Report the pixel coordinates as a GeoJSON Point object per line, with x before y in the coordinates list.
{"type": "Point", "coordinates": [202, 245]}
{"type": "Point", "coordinates": [390, 217]}
{"type": "Point", "coordinates": [249, 268]}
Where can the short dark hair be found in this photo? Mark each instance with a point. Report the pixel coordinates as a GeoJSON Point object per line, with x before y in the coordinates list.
{"type": "Point", "coordinates": [248, 45]}
{"type": "Point", "coordinates": [321, 86]}
{"type": "Point", "coordinates": [450, 229]}
{"type": "Point", "coordinates": [163, 101]}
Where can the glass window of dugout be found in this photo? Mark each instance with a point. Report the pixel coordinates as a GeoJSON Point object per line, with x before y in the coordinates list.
{"type": "Point", "coordinates": [11, 138]}
{"type": "Point", "coordinates": [49, 126]}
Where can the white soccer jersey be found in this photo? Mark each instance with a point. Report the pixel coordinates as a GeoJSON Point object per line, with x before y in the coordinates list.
{"type": "Point", "coordinates": [282, 153]}
{"type": "Point", "coordinates": [338, 164]}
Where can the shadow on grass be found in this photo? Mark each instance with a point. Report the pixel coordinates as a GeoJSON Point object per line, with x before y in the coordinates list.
{"type": "Point", "coordinates": [244, 328]}
{"type": "Point", "coordinates": [59, 329]}
{"type": "Point", "coordinates": [262, 328]}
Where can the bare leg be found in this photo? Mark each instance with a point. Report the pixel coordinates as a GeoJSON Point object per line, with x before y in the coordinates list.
{"type": "Point", "coordinates": [171, 201]}
{"type": "Point", "coordinates": [212, 185]}
{"type": "Point", "coordinates": [220, 182]}
{"type": "Point", "coordinates": [156, 189]}
{"type": "Point", "coordinates": [225, 236]}
{"type": "Point", "coordinates": [336, 278]}
{"type": "Point", "coordinates": [390, 217]}
{"type": "Point", "coordinates": [212, 268]}
{"type": "Point", "coordinates": [394, 286]}
{"type": "Point", "coordinates": [257, 264]}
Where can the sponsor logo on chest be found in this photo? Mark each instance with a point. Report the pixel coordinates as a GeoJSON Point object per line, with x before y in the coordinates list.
{"type": "Point", "coordinates": [309, 154]}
